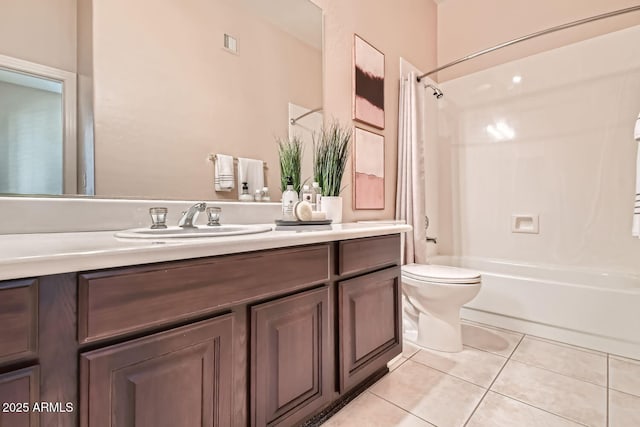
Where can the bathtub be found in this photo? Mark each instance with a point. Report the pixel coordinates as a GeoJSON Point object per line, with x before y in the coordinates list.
{"type": "Point", "coordinates": [595, 310]}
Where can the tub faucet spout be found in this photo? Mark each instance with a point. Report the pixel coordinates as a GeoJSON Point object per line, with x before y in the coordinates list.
{"type": "Point", "coordinates": [190, 215]}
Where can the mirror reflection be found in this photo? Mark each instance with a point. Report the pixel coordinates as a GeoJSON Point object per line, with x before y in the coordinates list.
{"type": "Point", "coordinates": [171, 84]}
{"type": "Point", "coordinates": [31, 137]}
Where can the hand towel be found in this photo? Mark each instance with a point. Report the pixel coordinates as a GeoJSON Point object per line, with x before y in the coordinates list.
{"type": "Point", "coordinates": [635, 231]}
{"type": "Point", "coordinates": [223, 172]}
{"type": "Point", "coordinates": [250, 171]}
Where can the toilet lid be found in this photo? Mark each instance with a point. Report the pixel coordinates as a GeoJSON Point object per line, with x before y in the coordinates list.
{"type": "Point", "coordinates": [441, 274]}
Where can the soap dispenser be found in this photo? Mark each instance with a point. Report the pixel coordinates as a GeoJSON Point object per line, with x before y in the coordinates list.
{"type": "Point", "coordinates": [289, 199]}
{"type": "Point", "coordinates": [245, 196]}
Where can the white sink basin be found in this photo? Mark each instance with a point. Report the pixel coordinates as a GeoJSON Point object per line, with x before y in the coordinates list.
{"type": "Point", "coordinates": [202, 231]}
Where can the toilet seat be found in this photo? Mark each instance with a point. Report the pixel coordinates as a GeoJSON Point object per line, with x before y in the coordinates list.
{"type": "Point", "coordinates": [441, 274]}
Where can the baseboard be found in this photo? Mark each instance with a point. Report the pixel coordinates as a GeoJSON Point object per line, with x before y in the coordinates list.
{"type": "Point", "coordinates": [569, 336]}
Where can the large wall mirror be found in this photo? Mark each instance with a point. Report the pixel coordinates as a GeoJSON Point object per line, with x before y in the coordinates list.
{"type": "Point", "coordinates": [163, 92]}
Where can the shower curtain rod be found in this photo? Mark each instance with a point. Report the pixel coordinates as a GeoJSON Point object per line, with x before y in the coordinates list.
{"type": "Point", "coordinates": [315, 110]}
{"type": "Point", "coordinates": [531, 36]}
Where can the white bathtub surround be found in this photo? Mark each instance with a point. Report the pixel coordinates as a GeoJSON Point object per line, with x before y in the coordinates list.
{"type": "Point", "coordinates": [61, 214]}
{"type": "Point", "coordinates": [531, 384]}
{"type": "Point", "coordinates": [584, 307]}
{"type": "Point", "coordinates": [572, 159]}
{"type": "Point", "coordinates": [410, 203]}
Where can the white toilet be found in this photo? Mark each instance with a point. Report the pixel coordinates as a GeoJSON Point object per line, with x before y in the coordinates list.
{"type": "Point", "coordinates": [432, 298]}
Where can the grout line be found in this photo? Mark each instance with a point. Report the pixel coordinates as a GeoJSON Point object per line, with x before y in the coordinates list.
{"type": "Point", "coordinates": [401, 363]}
{"type": "Point", "coordinates": [400, 407]}
{"type": "Point", "coordinates": [607, 390]}
{"type": "Point", "coordinates": [491, 385]}
{"type": "Point", "coordinates": [559, 373]}
{"type": "Point", "coordinates": [455, 376]}
{"type": "Point", "coordinates": [538, 408]}
{"type": "Point", "coordinates": [625, 393]}
{"type": "Point", "coordinates": [487, 351]}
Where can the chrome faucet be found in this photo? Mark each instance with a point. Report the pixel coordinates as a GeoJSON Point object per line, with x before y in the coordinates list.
{"type": "Point", "coordinates": [189, 216]}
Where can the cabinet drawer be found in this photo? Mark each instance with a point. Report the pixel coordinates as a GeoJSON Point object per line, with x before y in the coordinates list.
{"type": "Point", "coordinates": [17, 390]}
{"type": "Point", "coordinates": [19, 320]}
{"type": "Point", "coordinates": [117, 302]}
{"type": "Point", "coordinates": [362, 254]}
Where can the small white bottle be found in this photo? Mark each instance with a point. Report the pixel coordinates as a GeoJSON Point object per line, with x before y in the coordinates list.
{"type": "Point", "coordinates": [317, 196]}
{"type": "Point", "coordinates": [265, 194]}
{"type": "Point", "coordinates": [289, 199]}
{"type": "Point", "coordinates": [306, 195]}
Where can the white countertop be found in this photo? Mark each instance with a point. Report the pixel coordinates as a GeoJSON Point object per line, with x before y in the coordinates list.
{"type": "Point", "coordinates": [39, 254]}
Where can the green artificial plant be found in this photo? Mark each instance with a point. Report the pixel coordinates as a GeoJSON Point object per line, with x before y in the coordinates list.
{"type": "Point", "coordinates": [290, 151]}
{"type": "Point", "coordinates": [331, 152]}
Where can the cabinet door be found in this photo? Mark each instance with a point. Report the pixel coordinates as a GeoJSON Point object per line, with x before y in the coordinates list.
{"type": "Point", "coordinates": [181, 377]}
{"type": "Point", "coordinates": [18, 393]}
{"type": "Point", "coordinates": [19, 320]}
{"type": "Point", "coordinates": [369, 325]}
{"type": "Point", "coordinates": [291, 371]}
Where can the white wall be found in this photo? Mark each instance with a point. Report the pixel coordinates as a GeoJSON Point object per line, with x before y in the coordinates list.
{"type": "Point", "coordinates": [41, 31]}
{"type": "Point", "coordinates": [399, 28]}
{"type": "Point", "coordinates": [572, 160]}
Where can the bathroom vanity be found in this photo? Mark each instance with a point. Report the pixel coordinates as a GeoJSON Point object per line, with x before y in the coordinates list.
{"type": "Point", "coordinates": [276, 336]}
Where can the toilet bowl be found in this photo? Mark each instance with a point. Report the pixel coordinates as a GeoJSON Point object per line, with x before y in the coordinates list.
{"type": "Point", "coordinates": [432, 298]}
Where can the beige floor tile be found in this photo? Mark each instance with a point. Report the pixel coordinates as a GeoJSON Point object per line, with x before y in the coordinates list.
{"type": "Point", "coordinates": [563, 359]}
{"type": "Point", "coordinates": [368, 410]}
{"type": "Point", "coordinates": [440, 399]}
{"type": "Point", "coordinates": [587, 350]}
{"type": "Point", "coordinates": [624, 375]}
{"type": "Point", "coordinates": [473, 365]}
{"type": "Point", "coordinates": [409, 349]}
{"type": "Point", "coordinates": [496, 341]}
{"type": "Point", "coordinates": [396, 364]}
{"type": "Point", "coordinates": [577, 400]}
{"type": "Point", "coordinates": [624, 410]}
{"type": "Point", "coordinates": [499, 411]}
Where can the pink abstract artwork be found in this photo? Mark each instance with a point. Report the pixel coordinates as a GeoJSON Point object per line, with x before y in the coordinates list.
{"type": "Point", "coordinates": [369, 170]}
{"type": "Point", "coordinates": [368, 83]}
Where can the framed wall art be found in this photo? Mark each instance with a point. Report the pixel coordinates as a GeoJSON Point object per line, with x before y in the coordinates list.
{"type": "Point", "coordinates": [368, 170]}
{"type": "Point", "coordinates": [368, 83]}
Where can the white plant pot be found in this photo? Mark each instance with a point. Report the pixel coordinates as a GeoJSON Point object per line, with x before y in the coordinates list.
{"type": "Point", "coordinates": [332, 206]}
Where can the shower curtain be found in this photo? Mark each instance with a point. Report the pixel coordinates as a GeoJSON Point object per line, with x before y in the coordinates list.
{"type": "Point", "coordinates": [410, 198]}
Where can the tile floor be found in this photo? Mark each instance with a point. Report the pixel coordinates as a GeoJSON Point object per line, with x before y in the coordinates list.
{"type": "Point", "coordinates": [501, 379]}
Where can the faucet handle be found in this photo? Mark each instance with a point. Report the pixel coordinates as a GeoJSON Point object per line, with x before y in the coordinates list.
{"type": "Point", "coordinates": [158, 217]}
{"type": "Point", "coordinates": [213, 213]}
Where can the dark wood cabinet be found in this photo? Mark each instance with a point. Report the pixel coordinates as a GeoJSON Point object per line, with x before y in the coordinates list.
{"type": "Point", "coordinates": [267, 338]}
{"type": "Point", "coordinates": [181, 377]}
{"type": "Point", "coordinates": [19, 320]}
{"type": "Point", "coordinates": [18, 394]}
{"type": "Point", "coordinates": [369, 325]}
{"type": "Point", "coordinates": [291, 364]}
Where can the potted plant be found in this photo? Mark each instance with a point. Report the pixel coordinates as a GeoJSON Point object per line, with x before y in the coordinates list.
{"type": "Point", "coordinates": [331, 152]}
{"type": "Point", "coordinates": [290, 153]}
